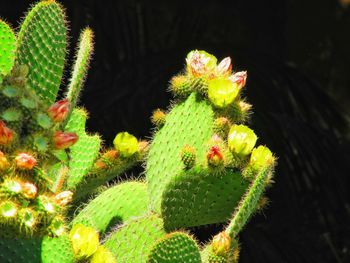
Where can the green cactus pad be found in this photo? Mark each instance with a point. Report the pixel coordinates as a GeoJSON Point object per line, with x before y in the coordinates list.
{"type": "Point", "coordinates": [190, 122]}
{"type": "Point", "coordinates": [84, 152]}
{"type": "Point", "coordinates": [134, 240]}
{"type": "Point", "coordinates": [175, 247]}
{"type": "Point", "coordinates": [34, 250]}
{"type": "Point", "coordinates": [42, 42]}
{"type": "Point", "coordinates": [7, 47]}
{"type": "Point", "coordinates": [117, 204]}
{"type": "Point", "coordinates": [205, 198]}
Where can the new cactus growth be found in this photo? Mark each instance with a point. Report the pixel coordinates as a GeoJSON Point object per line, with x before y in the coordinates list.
{"type": "Point", "coordinates": [201, 167]}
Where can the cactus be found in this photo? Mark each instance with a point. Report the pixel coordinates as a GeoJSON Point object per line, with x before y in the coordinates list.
{"type": "Point", "coordinates": [201, 167]}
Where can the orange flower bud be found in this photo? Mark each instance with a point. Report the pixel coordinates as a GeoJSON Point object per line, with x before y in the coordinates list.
{"type": "Point", "coordinates": [25, 161]}
{"type": "Point", "coordinates": [64, 198]}
{"type": "Point", "coordinates": [221, 244]}
{"type": "Point", "coordinates": [63, 140]}
{"type": "Point", "coordinates": [59, 111]}
{"type": "Point", "coordinates": [240, 78]}
{"type": "Point", "coordinates": [6, 134]}
{"type": "Point", "coordinates": [4, 164]}
{"type": "Point", "coordinates": [29, 190]}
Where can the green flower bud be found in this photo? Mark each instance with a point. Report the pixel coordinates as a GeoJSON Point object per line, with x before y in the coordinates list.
{"type": "Point", "coordinates": [85, 240]}
{"type": "Point", "coordinates": [241, 140]}
{"type": "Point", "coordinates": [222, 92]}
{"type": "Point", "coordinates": [103, 255]}
{"type": "Point", "coordinates": [261, 157]}
{"type": "Point", "coordinates": [126, 144]}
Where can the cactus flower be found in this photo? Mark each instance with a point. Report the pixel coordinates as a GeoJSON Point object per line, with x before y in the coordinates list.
{"type": "Point", "coordinates": [85, 240]}
{"type": "Point", "coordinates": [64, 140]}
{"type": "Point", "coordinates": [64, 198]}
{"type": "Point", "coordinates": [59, 111]}
{"type": "Point", "coordinates": [261, 157]}
{"type": "Point", "coordinates": [224, 68]}
{"type": "Point", "coordinates": [126, 144]}
{"type": "Point", "coordinates": [221, 244]}
{"type": "Point", "coordinates": [6, 134]}
{"type": "Point", "coordinates": [241, 140]}
{"type": "Point", "coordinates": [103, 255]}
{"type": "Point", "coordinates": [240, 78]}
{"type": "Point", "coordinates": [25, 161]}
{"type": "Point", "coordinates": [4, 163]}
{"type": "Point", "coordinates": [222, 92]}
{"type": "Point", "coordinates": [29, 190]}
{"type": "Point", "coordinates": [200, 63]}
{"type": "Point", "coordinates": [215, 156]}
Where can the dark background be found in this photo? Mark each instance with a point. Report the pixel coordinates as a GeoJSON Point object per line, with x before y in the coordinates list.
{"type": "Point", "coordinates": [297, 54]}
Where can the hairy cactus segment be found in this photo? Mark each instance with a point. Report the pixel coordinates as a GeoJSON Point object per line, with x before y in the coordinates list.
{"type": "Point", "coordinates": [175, 247]}
{"type": "Point", "coordinates": [83, 56]}
{"type": "Point", "coordinates": [42, 42]}
{"type": "Point", "coordinates": [7, 47]}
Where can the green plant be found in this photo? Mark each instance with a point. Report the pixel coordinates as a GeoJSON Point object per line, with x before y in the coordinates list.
{"type": "Point", "coordinates": [201, 166]}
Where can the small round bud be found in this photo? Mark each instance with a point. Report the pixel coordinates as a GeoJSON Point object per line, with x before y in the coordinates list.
{"type": "Point", "coordinates": [241, 140]}
{"type": "Point", "coordinates": [85, 240]}
{"type": "Point", "coordinates": [214, 156]}
{"type": "Point", "coordinates": [25, 161]}
{"type": "Point", "coordinates": [261, 157]}
{"type": "Point", "coordinates": [158, 118]}
{"type": "Point", "coordinates": [6, 134]}
{"type": "Point", "coordinates": [8, 209]}
{"type": "Point", "coordinates": [59, 111]}
{"type": "Point", "coordinates": [64, 198]}
{"type": "Point", "coordinates": [126, 144]}
{"type": "Point", "coordinates": [221, 244]}
{"type": "Point", "coordinates": [64, 140]}
{"type": "Point", "coordinates": [188, 156]}
{"type": "Point", "coordinates": [222, 92]}
{"type": "Point", "coordinates": [29, 190]}
{"type": "Point", "coordinates": [4, 163]}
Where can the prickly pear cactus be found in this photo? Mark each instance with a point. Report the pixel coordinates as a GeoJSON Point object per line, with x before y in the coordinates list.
{"type": "Point", "coordinates": [201, 167]}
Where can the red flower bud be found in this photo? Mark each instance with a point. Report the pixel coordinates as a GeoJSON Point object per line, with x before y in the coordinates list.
{"type": "Point", "coordinates": [58, 111]}
{"type": "Point", "coordinates": [215, 156]}
{"type": "Point", "coordinates": [64, 140]}
{"type": "Point", "coordinates": [25, 161]}
{"type": "Point", "coordinates": [6, 134]}
{"type": "Point", "coordinates": [64, 198]}
{"type": "Point", "coordinates": [240, 78]}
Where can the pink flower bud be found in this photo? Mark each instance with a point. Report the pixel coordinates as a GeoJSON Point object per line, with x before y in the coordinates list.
{"type": "Point", "coordinates": [6, 134]}
{"type": "Point", "coordinates": [63, 140]}
{"type": "Point", "coordinates": [58, 111]}
{"type": "Point", "coordinates": [64, 198]}
{"type": "Point", "coordinates": [25, 161]}
{"type": "Point", "coordinates": [239, 78]}
{"type": "Point", "coordinates": [224, 67]}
